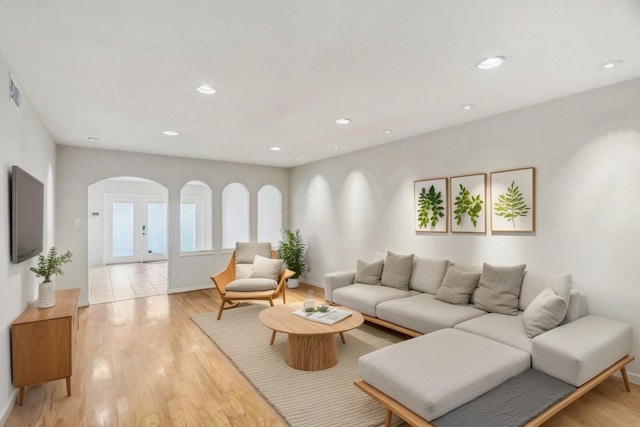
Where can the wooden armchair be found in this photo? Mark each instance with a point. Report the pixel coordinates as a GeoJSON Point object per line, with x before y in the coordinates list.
{"type": "Point", "coordinates": [231, 298]}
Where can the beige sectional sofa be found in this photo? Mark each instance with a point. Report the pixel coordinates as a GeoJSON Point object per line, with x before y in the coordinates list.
{"type": "Point", "coordinates": [475, 327]}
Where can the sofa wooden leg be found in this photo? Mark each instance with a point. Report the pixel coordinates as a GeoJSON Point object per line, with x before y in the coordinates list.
{"type": "Point", "coordinates": [625, 377]}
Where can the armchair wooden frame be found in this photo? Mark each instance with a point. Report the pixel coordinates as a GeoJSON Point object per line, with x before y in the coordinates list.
{"type": "Point", "coordinates": [230, 299]}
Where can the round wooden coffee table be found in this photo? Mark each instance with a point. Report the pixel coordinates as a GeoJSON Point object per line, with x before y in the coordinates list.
{"type": "Point", "coordinates": [311, 346]}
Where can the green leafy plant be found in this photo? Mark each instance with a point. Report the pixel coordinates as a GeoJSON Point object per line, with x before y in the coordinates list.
{"type": "Point", "coordinates": [292, 251]}
{"type": "Point", "coordinates": [467, 204]}
{"type": "Point", "coordinates": [51, 264]}
{"type": "Point", "coordinates": [430, 207]}
{"type": "Point", "coordinates": [511, 205]}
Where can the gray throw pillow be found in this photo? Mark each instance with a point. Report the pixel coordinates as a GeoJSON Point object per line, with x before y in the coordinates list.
{"type": "Point", "coordinates": [457, 286]}
{"type": "Point", "coordinates": [252, 285]}
{"type": "Point", "coordinates": [397, 271]}
{"type": "Point", "coordinates": [369, 273]}
{"type": "Point", "coordinates": [266, 268]}
{"type": "Point", "coordinates": [545, 312]}
{"type": "Point", "coordinates": [499, 289]}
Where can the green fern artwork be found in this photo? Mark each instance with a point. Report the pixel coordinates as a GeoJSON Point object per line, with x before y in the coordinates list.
{"type": "Point", "coordinates": [466, 204]}
{"type": "Point", "coordinates": [511, 205]}
{"type": "Point", "coordinates": [430, 207]}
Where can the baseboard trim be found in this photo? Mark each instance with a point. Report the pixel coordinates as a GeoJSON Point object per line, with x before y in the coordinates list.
{"type": "Point", "coordinates": [633, 377]}
{"type": "Point", "coordinates": [189, 289]}
{"type": "Point", "coordinates": [7, 410]}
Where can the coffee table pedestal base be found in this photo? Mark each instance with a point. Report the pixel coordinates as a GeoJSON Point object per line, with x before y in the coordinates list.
{"type": "Point", "coordinates": [311, 352]}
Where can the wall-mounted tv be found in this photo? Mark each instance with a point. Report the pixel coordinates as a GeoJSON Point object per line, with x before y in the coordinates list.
{"type": "Point", "coordinates": [27, 215]}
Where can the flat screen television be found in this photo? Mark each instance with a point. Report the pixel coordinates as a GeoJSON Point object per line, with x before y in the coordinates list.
{"type": "Point", "coordinates": [27, 215]}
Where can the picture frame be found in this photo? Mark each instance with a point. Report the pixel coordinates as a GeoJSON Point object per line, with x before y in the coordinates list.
{"type": "Point", "coordinates": [468, 208]}
{"type": "Point", "coordinates": [431, 205]}
{"type": "Point", "coordinates": [513, 207]}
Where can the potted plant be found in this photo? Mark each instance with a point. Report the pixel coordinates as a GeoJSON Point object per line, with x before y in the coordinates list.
{"type": "Point", "coordinates": [292, 251]}
{"type": "Point", "coordinates": [47, 267]}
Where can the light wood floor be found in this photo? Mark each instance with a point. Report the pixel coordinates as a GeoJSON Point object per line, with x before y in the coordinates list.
{"type": "Point", "coordinates": [143, 362]}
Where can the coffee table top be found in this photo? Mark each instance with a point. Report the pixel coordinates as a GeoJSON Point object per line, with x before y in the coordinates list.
{"type": "Point", "coordinates": [280, 319]}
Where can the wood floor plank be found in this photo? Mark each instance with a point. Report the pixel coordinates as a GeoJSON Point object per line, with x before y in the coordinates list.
{"type": "Point", "coordinates": [143, 362]}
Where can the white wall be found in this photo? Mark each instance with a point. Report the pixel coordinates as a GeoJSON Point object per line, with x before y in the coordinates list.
{"type": "Point", "coordinates": [586, 151]}
{"type": "Point", "coordinates": [25, 142]}
{"type": "Point", "coordinates": [78, 168]}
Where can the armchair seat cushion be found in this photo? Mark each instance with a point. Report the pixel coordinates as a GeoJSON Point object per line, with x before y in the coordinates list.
{"type": "Point", "coordinates": [252, 285]}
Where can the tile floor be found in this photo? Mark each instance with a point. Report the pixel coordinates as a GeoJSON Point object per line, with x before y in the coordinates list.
{"type": "Point", "coordinates": [119, 282]}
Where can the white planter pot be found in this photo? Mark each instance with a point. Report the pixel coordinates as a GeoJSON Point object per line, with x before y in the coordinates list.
{"type": "Point", "coordinates": [293, 283]}
{"type": "Point", "coordinates": [47, 295]}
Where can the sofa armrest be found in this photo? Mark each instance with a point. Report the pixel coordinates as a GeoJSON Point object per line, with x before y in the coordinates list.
{"type": "Point", "coordinates": [338, 279]}
{"type": "Point", "coordinates": [578, 351]}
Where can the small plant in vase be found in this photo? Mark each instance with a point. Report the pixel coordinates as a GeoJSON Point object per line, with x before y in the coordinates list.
{"type": "Point", "coordinates": [292, 251]}
{"type": "Point", "coordinates": [47, 267]}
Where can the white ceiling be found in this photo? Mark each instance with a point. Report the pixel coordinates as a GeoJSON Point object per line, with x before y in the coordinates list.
{"type": "Point", "coordinates": [124, 71]}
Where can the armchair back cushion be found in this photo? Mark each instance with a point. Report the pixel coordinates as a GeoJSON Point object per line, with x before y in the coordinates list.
{"type": "Point", "coordinates": [245, 251]}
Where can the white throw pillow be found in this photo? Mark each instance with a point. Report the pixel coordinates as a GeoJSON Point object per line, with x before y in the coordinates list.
{"type": "Point", "coordinates": [266, 268]}
{"type": "Point", "coordinates": [545, 312]}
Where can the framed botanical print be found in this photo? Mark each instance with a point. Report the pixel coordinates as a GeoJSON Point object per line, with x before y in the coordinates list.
{"type": "Point", "coordinates": [431, 205]}
{"type": "Point", "coordinates": [468, 203]}
{"type": "Point", "coordinates": [513, 200]}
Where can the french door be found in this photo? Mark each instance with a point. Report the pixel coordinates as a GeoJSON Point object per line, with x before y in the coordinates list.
{"type": "Point", "coordinates": [135, 229]}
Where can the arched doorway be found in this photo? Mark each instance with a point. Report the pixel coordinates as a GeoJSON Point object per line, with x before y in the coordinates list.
{"type": "Point", "coordinates": [127, 247]}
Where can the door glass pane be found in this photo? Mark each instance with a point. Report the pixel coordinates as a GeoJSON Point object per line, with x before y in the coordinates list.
{"type": "Point", "coordinates": [156, 228]}
{"type": "Point", "coordinates": [122, 235]}
{"type": "Point", "coordinates": [187, 227]}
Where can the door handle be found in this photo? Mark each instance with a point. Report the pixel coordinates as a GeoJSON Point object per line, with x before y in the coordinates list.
{"type": "Point", "coordinates": [144, 230]}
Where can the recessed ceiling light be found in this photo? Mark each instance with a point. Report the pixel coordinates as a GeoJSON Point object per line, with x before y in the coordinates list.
{"type": "Point", "coordinates": [343, 121]}
{"type": "Point", "coordinates": [206, 89]}
{"type": "Point", "coordinates": [93, 139]}
{"type": "Point", "coordinates": [468, 107]}
{"type": "Point", "coordinates": [490, 62]}
{"type": "Point", "coordinates": [386, 131]}
{"type": "Point", "coordinates": [170, 132]}
{"type": "Point", "coordinates": [336, 146]}
{"type": "Point", "coordinates": [297, 159]}
{"type": "Point", "coordinates": [611, 64]}
{"type": "Point", "coordinates": [275, 148]}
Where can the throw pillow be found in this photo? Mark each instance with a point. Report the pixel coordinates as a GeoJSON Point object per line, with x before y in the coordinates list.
{"type": "Point", "coordinates": [369, 273]}
{"type": "Point", "coordinates": [499, 289]}
{"type": "Point", "coordinates": [457, 286]}
{"type": "Point", "coordinates": [266, 268]}
{"type": "Point", "coordinates": [545, 312]}
{"type": "Point", "coordinates": [397, 271]}
{"type": "Point", "coordinates": [252, 285]}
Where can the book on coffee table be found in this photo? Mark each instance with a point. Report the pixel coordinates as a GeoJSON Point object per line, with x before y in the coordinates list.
{"type": "Point", "coordinates": [331, 316]}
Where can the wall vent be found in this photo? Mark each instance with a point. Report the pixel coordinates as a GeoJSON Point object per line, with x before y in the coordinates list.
{"type": "Point", "coordinates": [14, 94]}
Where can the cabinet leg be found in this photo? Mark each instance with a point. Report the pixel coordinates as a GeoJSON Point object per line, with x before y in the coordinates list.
{"type": "Point", "coordinates": [21, 396]}
{"type": "Point", "coordinates": [69, 386]}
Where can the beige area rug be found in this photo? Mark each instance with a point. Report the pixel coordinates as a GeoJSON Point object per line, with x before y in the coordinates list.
{"type": "Point", "coordinates": [320, 398]}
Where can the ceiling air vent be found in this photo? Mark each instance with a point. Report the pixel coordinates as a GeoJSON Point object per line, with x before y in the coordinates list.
{"type": "Point", "coordinates": [14, 94]}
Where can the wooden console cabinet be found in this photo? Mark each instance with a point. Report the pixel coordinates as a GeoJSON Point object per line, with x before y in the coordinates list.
{"type": "Point", "coordinates": [42, 341]}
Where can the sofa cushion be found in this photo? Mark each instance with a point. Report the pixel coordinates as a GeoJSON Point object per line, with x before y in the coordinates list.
{"type": "Point", "coordinates": [535, 282]}
{"type": "Point", "coordinates": [423, 313]}
{"type": "Point", "coordinates": [266, 268]}
{"type": "Point", "coordinates": [580, 350]}
{"type": "Point", "coordinates": [397, 270]}
{"type": "Point", "coordinates": [498, 327]}
{"type": "Point", "coordinates": [499, 288]}
{"type": "Point", "coordinates": [435, 373]}
{"type": "Point", "coordinates": [252, 285]}
{"type": "Point", "coordinates": [365, 298]}
{"type": "Point", "coordinates": [245, 251]}
{"type": "Point", "coordinates": [369, 273]}
{"type": "Point", "coordinates": [427, 274]}
{"type": "Point", "coordinates": [457, 286]}
{"type": "Point", "coordinates": [545, 312]}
